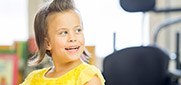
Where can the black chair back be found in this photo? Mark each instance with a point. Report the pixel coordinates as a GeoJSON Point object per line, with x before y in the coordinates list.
{"type": "Point", "coordinates": [143, 65]}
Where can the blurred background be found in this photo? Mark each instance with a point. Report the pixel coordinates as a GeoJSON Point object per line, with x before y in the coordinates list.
{"type": "Point", "coordinates": [108, 28]}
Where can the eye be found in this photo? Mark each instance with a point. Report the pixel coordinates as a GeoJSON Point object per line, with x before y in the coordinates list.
{"type": "Point", "coordinates": [78, 30]}
{"type": "Point", "coordinates": [63, 33]}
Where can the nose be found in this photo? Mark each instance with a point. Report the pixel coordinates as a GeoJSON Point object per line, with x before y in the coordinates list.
{"type": "Point", "coordinates": [72, 40]}
{"type": "Point", "coordinates": [72, 37]}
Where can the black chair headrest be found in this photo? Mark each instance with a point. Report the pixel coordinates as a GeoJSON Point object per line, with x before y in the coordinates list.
{"type": "Point", "coordinates": [137, 5]}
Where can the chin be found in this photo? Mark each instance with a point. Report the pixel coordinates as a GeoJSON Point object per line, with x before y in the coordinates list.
{"type": "Point", "coordinates": [74, 57]}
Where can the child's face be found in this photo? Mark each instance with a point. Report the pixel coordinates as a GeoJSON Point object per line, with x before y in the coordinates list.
{"type": "Point", "coordinates": [65, 36]}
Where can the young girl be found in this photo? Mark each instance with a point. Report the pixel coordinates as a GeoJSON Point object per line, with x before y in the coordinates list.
{"type": "Point", "coordinates": [59, 34]}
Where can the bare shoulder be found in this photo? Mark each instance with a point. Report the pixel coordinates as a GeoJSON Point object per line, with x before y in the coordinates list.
{"type": "Point", "coordinates": [94, 81]}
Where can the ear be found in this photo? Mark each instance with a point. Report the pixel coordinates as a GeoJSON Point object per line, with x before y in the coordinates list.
{"type": "Point", "coordinates": [47, 44]}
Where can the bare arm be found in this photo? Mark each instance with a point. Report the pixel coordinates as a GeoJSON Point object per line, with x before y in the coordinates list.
{"type": "Point", "coordinates": [94, 81]}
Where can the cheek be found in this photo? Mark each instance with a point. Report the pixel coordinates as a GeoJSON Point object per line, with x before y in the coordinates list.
{"type": "Point", "coordinates": [59, 43]}
{"type": "Point", "coordinates": [82, 40]}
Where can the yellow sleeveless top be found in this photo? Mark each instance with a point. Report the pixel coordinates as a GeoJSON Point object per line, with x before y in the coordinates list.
{"type": "Point", "coordinates": [77, 76]}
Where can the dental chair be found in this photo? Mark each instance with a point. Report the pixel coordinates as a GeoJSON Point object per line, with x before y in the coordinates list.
{"type": "Point", "coordinates": [143, 65]}
{"type": "Point", "coordinates": [140, 65]}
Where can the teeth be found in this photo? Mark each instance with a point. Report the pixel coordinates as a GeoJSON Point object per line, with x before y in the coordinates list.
{"type": "Point", "coordinates": [71, 48]}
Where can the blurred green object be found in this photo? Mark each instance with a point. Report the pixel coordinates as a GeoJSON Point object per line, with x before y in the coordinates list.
{"type": "Point", "coordinates": [21, 49]}
{"type": "Point", "coordinates": [7, 50]}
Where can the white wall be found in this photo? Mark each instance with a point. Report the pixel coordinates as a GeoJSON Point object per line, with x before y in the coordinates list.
{"type": "Point", "coordinates": [103, 17]}
{"type": "Point", "coordinates": [13, 21]}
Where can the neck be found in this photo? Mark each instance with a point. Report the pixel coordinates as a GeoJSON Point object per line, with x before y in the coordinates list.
{"type": "Point", "coordinates": [66, 65]}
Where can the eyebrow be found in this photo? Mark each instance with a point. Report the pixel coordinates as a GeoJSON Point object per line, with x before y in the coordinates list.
{"type": "Point", "coordinates": [63, 28]}
{"type": "Point", "coordinates": [77, 26]}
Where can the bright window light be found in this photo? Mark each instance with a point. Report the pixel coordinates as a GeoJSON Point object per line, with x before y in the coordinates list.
{"type": "Point", "coordinates": [14, 21]}
{"type": "Point", "coordinates": [102, 18]}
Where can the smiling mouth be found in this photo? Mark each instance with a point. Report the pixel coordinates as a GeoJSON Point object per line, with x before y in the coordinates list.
{"type": "Point", "coordinates": [72, 48]}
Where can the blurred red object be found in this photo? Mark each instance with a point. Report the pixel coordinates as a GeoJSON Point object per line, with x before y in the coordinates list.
{"type": "Point", "coordinates": [32, 47]}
